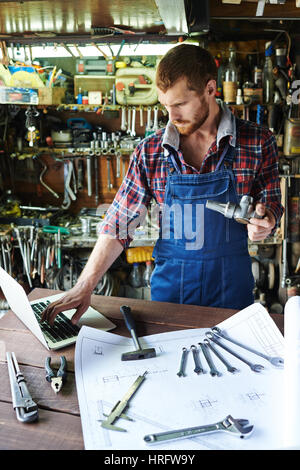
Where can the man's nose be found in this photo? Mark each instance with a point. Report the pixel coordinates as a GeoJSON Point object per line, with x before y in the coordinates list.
{"type": "Point", "coordinates": [174, 115]}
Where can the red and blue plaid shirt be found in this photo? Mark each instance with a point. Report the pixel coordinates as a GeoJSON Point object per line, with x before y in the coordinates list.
{"type": "Point", "coordinates": [255, 168]}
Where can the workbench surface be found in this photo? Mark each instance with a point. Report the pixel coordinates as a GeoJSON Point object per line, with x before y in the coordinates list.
{"type": "Point", "coordinates": [59, 425]}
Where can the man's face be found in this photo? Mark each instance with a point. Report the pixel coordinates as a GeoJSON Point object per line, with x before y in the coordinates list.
{"type": "Point", "coordinates": [187, 109]}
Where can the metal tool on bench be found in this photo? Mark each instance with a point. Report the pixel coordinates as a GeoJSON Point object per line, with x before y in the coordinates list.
{"type": "Point", "coordinates": [255, 367]}
{"type": "Point", "coordinates": [121, 405]}
{"type": "Point", "coordinates": [213, 371]}
{"type": "Point", "coordinates": [235, 427]}
{"type": "Point", "coordinates": [275, 361]}
{"type": "Point", "coordinates": [181, 372]}
{"type": "Point", "coordinates": [139, 353]}
{"type": "Point", "coordinates": [26, 409]}
{"type": "Point", "coordinates": [241, 212]}
{"type": "Point", "coordinates": [57, 380]}
{"type": "Point", "coordinates": [198, 367]}
{"type": "Point", "coordinates": [220, 357]}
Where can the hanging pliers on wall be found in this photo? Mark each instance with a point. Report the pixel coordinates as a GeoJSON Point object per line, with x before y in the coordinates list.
{"type": "Point", "coordinates": [58, 379]}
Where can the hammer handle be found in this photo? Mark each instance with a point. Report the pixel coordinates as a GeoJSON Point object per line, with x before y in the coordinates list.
{"type": "Point", "coordinates": [129, 321]}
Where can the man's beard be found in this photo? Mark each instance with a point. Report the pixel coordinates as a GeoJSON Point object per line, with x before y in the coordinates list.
{"type": "Point", "coordinates": [191, 126]}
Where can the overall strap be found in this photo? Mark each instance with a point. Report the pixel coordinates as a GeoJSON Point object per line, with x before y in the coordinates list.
{"type": "Point", "coordinates": [172, 163]}
{"type": "Point", "coordinates": [228, 155]}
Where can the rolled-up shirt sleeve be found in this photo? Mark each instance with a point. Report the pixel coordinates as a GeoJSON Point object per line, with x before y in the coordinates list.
{"type": "Point", "coordinates": [129, 207]}
{"type": "Point", "coordinates": [266, 188]}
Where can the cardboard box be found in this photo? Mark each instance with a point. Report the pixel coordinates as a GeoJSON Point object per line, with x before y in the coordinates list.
{"type": "Point", "coordinates": [253, 94]}
{"type": "Point", "coordinates": [53, 95]}
{"type": "Point", "coordinates": [17, 95]}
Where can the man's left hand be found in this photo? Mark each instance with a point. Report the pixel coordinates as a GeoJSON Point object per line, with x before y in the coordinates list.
{"type": "Point", "coordinates": [259, 229]}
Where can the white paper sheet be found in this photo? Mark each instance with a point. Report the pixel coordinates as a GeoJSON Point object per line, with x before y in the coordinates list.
{"type": "Point", "coordinates": [291, 396]}
{"type": "Point", "coordinates": [165, 401]}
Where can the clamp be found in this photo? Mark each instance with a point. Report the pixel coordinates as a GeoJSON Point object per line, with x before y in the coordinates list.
{"type": "Point", "coordinates": [58, 379]}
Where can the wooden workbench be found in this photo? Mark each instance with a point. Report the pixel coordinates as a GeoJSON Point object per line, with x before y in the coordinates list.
{"type": "Point", "coordinates": [59, 425]}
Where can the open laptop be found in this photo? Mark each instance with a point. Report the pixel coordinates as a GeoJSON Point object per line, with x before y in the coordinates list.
{"type": "Point", "coordinates": [63, 332]}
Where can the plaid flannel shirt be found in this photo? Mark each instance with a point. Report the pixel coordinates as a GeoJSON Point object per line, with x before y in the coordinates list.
{"type": "Point", "coordinates": [255, 169]}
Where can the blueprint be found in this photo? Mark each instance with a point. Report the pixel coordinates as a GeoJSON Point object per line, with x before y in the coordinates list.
{"type": "Point", "coordinates": [165, 401]}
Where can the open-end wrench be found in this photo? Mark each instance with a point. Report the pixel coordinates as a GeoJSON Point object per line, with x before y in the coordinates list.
{"type": "Point", "coordinates": [275, 361]}
{"type": "Point", "coordinates": [155, 118]}
{"type": "Point", "coordinates": [123, 119]}
{"type": "Point", "coordinates": [220, 357]}
{"type": "Point", "coordinates": [118, 165]}
{"type": "Point", "coordinates": [133, 133]}
{"type": "Point", "coordinates": [184, 354]}
{"type": "Point", "coordinates": [129, 120]}
{"type": "Point", "coordinates": [213, 371]}
{"type": "Point", "coordinates": [254, 367]}
{"type": "Point", "coordinates": [141, 116]}
{"type": "Point", "coordinates": [198, 367]}
{"type": "Point", "coordinates": [148, 124]}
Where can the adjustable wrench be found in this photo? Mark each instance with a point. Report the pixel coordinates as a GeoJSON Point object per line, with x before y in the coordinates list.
{"type": "Point", "coordinates": [235, 427]}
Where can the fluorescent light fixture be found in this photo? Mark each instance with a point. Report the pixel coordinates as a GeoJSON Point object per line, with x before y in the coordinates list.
{"type": "Point", "coordinates": [44, 52]}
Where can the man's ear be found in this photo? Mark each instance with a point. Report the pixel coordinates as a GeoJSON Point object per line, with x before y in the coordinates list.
{"type": "Point", "coordinates": [211, 87]}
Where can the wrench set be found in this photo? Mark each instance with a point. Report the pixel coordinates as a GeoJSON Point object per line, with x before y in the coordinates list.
{"type": "Point", "coordinates": [210, 348]}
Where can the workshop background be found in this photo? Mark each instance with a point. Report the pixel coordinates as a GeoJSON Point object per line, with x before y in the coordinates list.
{"type": "Point", "coordinates": [77, 94]}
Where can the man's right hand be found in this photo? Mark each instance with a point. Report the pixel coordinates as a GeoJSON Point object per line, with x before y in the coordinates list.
{"type": "Point", "coordinates": [78, 297]}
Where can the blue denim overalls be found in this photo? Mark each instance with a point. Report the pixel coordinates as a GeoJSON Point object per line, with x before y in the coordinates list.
{"type": "Point", "coordinates": [201, 257]}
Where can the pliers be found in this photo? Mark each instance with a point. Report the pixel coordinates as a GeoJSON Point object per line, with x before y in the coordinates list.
{"type": "Point", "coordinates": [58, 379]}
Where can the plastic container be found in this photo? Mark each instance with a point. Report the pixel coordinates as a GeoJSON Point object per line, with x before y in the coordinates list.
{"type": "Point", "coordinates": [268, 79]}
{"type": "Point", "coordinates": [135, 276]}
{"type": "Point", "coordinates": [147, 274]}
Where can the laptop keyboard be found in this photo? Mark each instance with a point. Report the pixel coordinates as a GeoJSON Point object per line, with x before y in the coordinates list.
{"type": "Point", "coordinates": [62, 327]}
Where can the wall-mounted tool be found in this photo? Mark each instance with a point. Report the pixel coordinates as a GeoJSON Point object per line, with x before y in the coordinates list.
{"type": "Point", "coordinates": [235, 427]}
{"type": "Point", "coordinates": [242, 212]}
{"type": "Point", "coordinates": [42, 174]}
{"type": "Point", "coordinates": [117, 411]}
{"type": "Point", "coordinates": [139, 353]}
{"type": "Point", "coordinates": [31, 124]}
{"type": "Point", "coordinates": [26, 409]}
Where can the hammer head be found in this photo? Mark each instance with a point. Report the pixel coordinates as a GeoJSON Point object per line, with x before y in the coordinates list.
{"type": "Point", "coordinates": [138, 354]}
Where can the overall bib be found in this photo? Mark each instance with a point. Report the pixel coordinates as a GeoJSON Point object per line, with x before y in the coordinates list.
{"type": "Point", "coordinates": [201, 257]}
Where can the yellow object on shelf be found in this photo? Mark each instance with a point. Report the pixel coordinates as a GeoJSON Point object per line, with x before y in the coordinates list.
{"type": "Point", "coordinates": [139, 254]}
{"type": "Point", "coordinates": [5, 75]}
{"type": "Point", "coordinates": [25, 79]}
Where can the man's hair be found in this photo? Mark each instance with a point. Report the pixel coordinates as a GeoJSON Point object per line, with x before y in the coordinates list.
{"type": "Point", "coordinates": [186, 61]}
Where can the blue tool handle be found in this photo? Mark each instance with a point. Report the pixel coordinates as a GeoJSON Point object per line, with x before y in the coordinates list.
{"type": "Point", "coordinates": [62, 371]}
{"type": "Point", "coordinates": [129, 321]}
{"type": "Point", "coordinates": [49, 371]}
